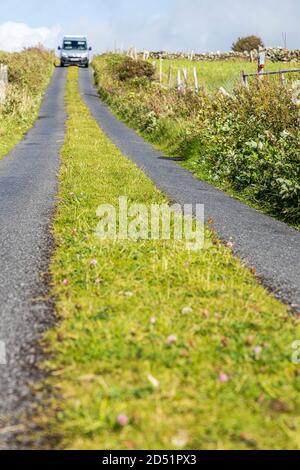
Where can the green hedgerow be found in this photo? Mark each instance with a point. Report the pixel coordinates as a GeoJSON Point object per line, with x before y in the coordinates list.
{"type": "Point", "coordinates": [29, 73]}
{"type": "Point", "coordinates": [247, 143]}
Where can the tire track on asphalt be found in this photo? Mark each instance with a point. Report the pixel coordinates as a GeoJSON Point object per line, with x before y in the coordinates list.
{"type": "Point", "coordinates": [270, 247]}
{"type": "Point", "coordinates": [28, 187]}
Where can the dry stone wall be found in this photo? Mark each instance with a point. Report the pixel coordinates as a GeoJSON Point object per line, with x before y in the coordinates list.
{"type": "Point", "coordinates": [272, 54]}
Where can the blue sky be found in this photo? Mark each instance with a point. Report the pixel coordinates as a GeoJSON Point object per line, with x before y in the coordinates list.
{"type": "Point", "coordinates": [200, 25]}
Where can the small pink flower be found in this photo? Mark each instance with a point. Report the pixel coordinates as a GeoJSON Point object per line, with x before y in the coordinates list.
{"type": "Point", "coordinates": [223, 378]}
{"type": "Point", "coordinates": [257, 351]}
{"type": "Point", "coordinates": [94, 262]}
{"type": "Point", "coordinates": [65, 282]}
{"type": "Point", "coordinates": [122, 420]}
{"type": "Point", "coordinates": [171, 340]}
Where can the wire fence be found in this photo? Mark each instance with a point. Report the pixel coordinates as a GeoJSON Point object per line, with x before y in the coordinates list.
{"type": "Point", "coordinates": [261, 75]}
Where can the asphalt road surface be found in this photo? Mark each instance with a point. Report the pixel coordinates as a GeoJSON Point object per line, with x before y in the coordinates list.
{"type": "Point", "coordinates": [28, 186]}
{"type": "Point", "coordinates": [270, 247]}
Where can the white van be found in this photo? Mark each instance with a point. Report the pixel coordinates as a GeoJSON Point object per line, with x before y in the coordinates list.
{"type": "Point", "coordinates": [74, 51]}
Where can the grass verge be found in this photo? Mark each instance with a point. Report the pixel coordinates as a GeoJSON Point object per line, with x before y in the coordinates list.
{"type": "Point", "coordinates": [29, 73]}
{"type": "Point", "coordinates": [13, 129]}
{"type": "Point", "coordinates": [226, 382]}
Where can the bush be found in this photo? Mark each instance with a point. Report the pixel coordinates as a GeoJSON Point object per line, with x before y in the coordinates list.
{"type": "Point", "coordinates": [252, 144]}
{"type": "Point", "coordinates": [130, 69]}
{"type": "Point", "coordinates": [30, 68]}
{"type": "Point", "coordinates": [28, 74]}
{"type": "Point", "coordinates": [248, 43]}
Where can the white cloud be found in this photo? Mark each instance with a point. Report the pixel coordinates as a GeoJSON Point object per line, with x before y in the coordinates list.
{"type": "Point", "coordinates": [199, 25]}
{"type": "Point", "coordinates": [16, 36]}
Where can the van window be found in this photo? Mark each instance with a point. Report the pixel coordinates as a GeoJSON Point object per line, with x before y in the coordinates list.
{"type": "Point", "coordinates": [75, 45]}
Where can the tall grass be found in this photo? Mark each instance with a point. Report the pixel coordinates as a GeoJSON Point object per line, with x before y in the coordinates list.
{"type": "Point", "coordinates": [29, 73]}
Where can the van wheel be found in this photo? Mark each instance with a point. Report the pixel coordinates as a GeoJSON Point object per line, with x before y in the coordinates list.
{"type": "Point", "coordinates": [86, 66]}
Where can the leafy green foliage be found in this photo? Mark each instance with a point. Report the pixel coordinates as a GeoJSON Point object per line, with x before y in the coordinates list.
{"type": "Point", "coordinates": [130, 69]}
{"type": "Point", "coordinates": [252, 143]}
{"type": "Point", "coordinates": [248, 43]}
{"type": "Point", "coordinates": [30, 69]}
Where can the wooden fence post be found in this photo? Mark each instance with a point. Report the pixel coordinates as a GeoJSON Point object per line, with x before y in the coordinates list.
{"type": "Point", "coordinates": [146, 55]}
{"type": "Point", "coordinates": [154, 66]}
{"type": "Point", "coordinates": [185, 76]}
{"type": "Point", "coordinates": [196, 80]}
{"type": "Point", "coordinates": [261, 63]}
{"type": "Point", "coordinates": [3, 82]}
{"type": "Point", "coordinates": [132, 53]}
{"type": "Point", "coordinates": [170, 78]}
{"type": "Point", "coordinates": [244, 79]}
{"type": "Point", "coordinates": [161, 71]}
{"type": "Point", "coordinates": [179, 82]}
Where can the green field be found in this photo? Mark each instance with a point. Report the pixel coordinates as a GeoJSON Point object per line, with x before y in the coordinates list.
{"type": "Point", "coordinates": [213, 75]}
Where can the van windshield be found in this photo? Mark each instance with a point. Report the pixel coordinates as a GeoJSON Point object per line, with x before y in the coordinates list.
{"type": "Point", "coordinates": [71, 45]}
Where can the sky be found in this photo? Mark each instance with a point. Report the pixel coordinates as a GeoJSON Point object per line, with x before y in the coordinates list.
{"type": "Point", "coordinates": [171, 25]}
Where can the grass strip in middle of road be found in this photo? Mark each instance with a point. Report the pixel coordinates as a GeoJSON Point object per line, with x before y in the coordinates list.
{"type": "Point", "coordinates": [157, 347]}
